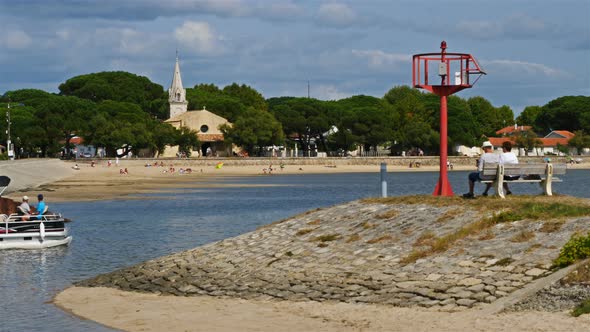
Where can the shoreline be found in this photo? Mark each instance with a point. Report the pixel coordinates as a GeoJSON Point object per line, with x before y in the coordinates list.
{"type": "Point", "coordinates": [105, 183]}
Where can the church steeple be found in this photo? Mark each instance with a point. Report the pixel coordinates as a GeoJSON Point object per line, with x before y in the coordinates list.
{"type": "Point", "coordinates": [176, 93]}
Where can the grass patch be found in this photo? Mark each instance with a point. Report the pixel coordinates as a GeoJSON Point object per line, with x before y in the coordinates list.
{"type": "Point", "coordinates": [523, 236]}
{"type": "Point", "coordinates": [551, 226]}
{"type": "Point", "coordinates": [580, 275]}
{"type": "Point", "coordinates": [288, 254]}
{"type": "Point", "coordinates": [322, 244]}
{"type": "Point", "coordinates": [407, 231]}
{"type": "Point", "coordinates": [512, 210]}
{"type": "Point", "coordinates": [388, 214]}
{"type": "Point", "coordinates": [449, 215]}
{"type": "Point", "coordinates": [582, 308]}
{"type": "Point", "coordinates": [327, 238]}
{"type": "Point", "coordinates": [304, 231]}
{"type": "Point", "coordinates": [577, 247]}
{"type": "Point", "coordinates": [353, 238]}
{"type": "Point", "coordinates": [534, 247]}
{"type": "Point", "coordinates": [487, 235]}
{"type": "Point", "coordinates": [425, 239]}
{"type": "Point", "coordinates": [380, 239]}
{"type": "Point", "coordinates": [315, 222]}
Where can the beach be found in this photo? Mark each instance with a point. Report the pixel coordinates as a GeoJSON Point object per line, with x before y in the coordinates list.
{"type": "Point", "coordinates": [148, 312]}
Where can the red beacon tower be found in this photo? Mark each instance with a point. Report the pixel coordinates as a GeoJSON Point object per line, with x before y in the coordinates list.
{"type": "Point", "coordinates": [443, 63]}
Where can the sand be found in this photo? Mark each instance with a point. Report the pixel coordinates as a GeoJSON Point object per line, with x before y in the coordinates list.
{"type": "Point", "coordinates": [148, 312]}
{"type": "Point", "coordinates": [106, 183]}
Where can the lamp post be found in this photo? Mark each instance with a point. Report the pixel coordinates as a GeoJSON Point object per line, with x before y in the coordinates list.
{"type": "Point", "coordinates": [9, 148]}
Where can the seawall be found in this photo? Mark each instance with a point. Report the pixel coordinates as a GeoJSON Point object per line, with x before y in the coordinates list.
{"type": "Point", "coordinates": [361, 252]}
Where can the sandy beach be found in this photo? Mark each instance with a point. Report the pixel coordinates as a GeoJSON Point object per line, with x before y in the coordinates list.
{"type": "Point", "coordinates": [104, 183]}
{"type": "Point", "coordinates": [147, 312]}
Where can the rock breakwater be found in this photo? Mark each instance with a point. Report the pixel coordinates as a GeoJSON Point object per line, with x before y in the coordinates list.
{"type": "Point", "coordinates": [356, 252]}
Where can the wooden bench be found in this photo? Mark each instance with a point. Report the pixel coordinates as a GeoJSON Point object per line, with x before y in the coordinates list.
{"type": "Point", "coordinates": [527, 173]}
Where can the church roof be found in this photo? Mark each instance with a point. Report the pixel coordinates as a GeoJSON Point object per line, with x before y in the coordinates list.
{"type": "Point", "coordinates": [176, 79]}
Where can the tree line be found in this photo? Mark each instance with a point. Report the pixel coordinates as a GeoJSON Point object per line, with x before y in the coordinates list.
{"type": "Point", "coordinates": [123, 112]}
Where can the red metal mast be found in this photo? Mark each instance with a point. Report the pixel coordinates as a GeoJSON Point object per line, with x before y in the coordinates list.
{"type": "Point", "coordinates": [445, 60]}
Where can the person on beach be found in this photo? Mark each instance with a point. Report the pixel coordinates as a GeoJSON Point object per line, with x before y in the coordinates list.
{"type": "Point", "coordinates": [507, 157]}
{"type": "Point", "coordinates": [487, 157]}
{"type": "Point", "coordinates": [24, 209]}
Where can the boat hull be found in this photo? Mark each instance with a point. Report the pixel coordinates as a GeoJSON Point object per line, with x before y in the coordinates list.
{"type": "Point", "coordinates": [33, 234]}
{"type": "Point", "coordinates": [34, 243]}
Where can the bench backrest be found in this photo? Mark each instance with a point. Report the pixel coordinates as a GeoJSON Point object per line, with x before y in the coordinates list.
{"type": "Point", "coordinates": [490, 169]}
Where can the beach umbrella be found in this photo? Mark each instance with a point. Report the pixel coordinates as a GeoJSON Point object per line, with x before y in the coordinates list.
{"type": "Point", "coordinates": [219, 165]}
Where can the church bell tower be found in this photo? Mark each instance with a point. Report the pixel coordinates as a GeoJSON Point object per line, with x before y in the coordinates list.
{"type": "Point", "coordinates": [176, 93]}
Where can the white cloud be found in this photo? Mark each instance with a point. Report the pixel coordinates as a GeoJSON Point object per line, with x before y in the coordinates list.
{"type": "Point", "coordinates": [198, 37]}
{"type": "Point", "coordinates": [328, 92]}
{"type": "Point", "coordinates": [378, 59]}
{"type": "Point", "coordinates": [515, 67]}
{"type": "Point", "coordinates": [336, 14]}
{"type": "Point", "coordinates": [15, 39]}
{"type": "Point", "coordinates": [512, 27]}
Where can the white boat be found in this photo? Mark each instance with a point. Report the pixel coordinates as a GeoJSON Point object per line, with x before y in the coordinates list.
{"type": "Point", "coordinates": [45, 231]}
{"type": "Point", "coordinates": [49, 231]}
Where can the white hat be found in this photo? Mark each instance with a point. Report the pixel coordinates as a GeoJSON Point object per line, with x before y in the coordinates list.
{"type": "Point", "coordinates": [25, 198]}
{"type": "Point", "coordinates": [487, 144]}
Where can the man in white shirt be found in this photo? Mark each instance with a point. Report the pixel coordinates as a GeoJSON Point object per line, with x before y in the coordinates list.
{"type": "Point", "coordinates": [487, 157]}
{"type": "Point", "coordinates": [507, 157]}
{"type": "Point", "coordinates": [25, 209]}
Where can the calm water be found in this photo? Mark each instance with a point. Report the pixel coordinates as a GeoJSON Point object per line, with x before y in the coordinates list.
{"type": "Point", "coordinates": [112, 234]}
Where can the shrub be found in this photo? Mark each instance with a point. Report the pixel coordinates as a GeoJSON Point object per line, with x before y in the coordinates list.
{"type": "Point", "coordinates": [582, 308]}
{"type": "Point", "coordinates": [578, 247]}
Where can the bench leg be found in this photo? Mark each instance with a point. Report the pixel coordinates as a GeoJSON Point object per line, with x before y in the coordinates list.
{"type": "Point", "coordinates": [546, 184]}
{"type": "Point", "coordinates": [499, 182]}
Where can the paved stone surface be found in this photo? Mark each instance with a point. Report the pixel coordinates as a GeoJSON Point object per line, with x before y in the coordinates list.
{"type": "Point", "coordinates": [352, 253]}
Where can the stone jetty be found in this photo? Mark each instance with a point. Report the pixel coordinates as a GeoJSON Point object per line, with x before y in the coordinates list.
{"type": "Point", "coordinates": [361, 252]}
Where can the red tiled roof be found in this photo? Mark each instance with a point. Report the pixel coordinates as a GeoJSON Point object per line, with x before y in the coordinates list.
{"type": "Point", "coordinates": [210, 137]}
{"type": "Point", "coordinates": [564, 133]}
{"type": "Point", "coordinates": [546, 142]}
{"type": "Point", "coordinates": [76, 140]}
{"type": "Point", "coordinates": [510, 130]}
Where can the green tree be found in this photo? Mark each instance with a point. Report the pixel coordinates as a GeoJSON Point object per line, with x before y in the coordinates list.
{"type": "Point", "coordinates": [527, 140]}
{"type": "Point", "coordinates": [119, 86]}
{"type": "Point", "coordinates": [580, 141]}
{"type": "Point", "coordinates": [187, 141]}
{"type": "Point", "coordinates": [254, 130]}
{"type": "Point", "coordinates": [528, 116]}
{"type": "Point", "coordinates": [565, 113]}
{"type": "Point", "coordinates": [247, 96]}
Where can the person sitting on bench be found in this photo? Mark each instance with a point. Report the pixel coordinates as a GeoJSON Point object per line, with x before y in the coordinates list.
{"type": "Point", "coordinates": [507, 157]}
{"type": "Point", "coordinates": [487, 157]}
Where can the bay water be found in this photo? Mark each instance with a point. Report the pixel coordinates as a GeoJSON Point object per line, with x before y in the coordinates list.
{"type": "Point", "coordinates": [109, 235]}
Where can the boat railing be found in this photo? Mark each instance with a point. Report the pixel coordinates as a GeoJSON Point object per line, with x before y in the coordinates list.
{"type": "Point", "coordinates": [15, 217]}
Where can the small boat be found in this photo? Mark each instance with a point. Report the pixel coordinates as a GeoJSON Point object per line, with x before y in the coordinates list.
{"type": "Point", "coordinates": [46, 231]}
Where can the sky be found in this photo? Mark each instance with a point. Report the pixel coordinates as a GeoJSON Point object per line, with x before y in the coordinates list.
{"type": "Point", "coordinates": [532, 50]}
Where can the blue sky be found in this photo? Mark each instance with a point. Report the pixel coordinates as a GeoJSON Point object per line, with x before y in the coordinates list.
{"type": "Point", "coordinates": [533, 51]}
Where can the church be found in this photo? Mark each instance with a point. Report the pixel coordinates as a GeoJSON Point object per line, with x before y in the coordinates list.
{"type": "Point", "coordinates": [204, 122]}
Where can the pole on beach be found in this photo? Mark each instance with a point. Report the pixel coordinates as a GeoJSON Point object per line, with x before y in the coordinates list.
{"type": "Point", "coordinates": [383, 182]}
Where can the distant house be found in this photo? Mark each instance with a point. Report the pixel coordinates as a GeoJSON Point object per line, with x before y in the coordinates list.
{"type": "Point", "coordinates": [548, 145]}
{"type": "Point", "coordinates": [80, 150]}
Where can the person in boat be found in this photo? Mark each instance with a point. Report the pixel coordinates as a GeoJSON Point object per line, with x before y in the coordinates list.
{"type": "Point", "coordinates": [41, 206]}
{"type": "Point", "coordinates": [24, 209]}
